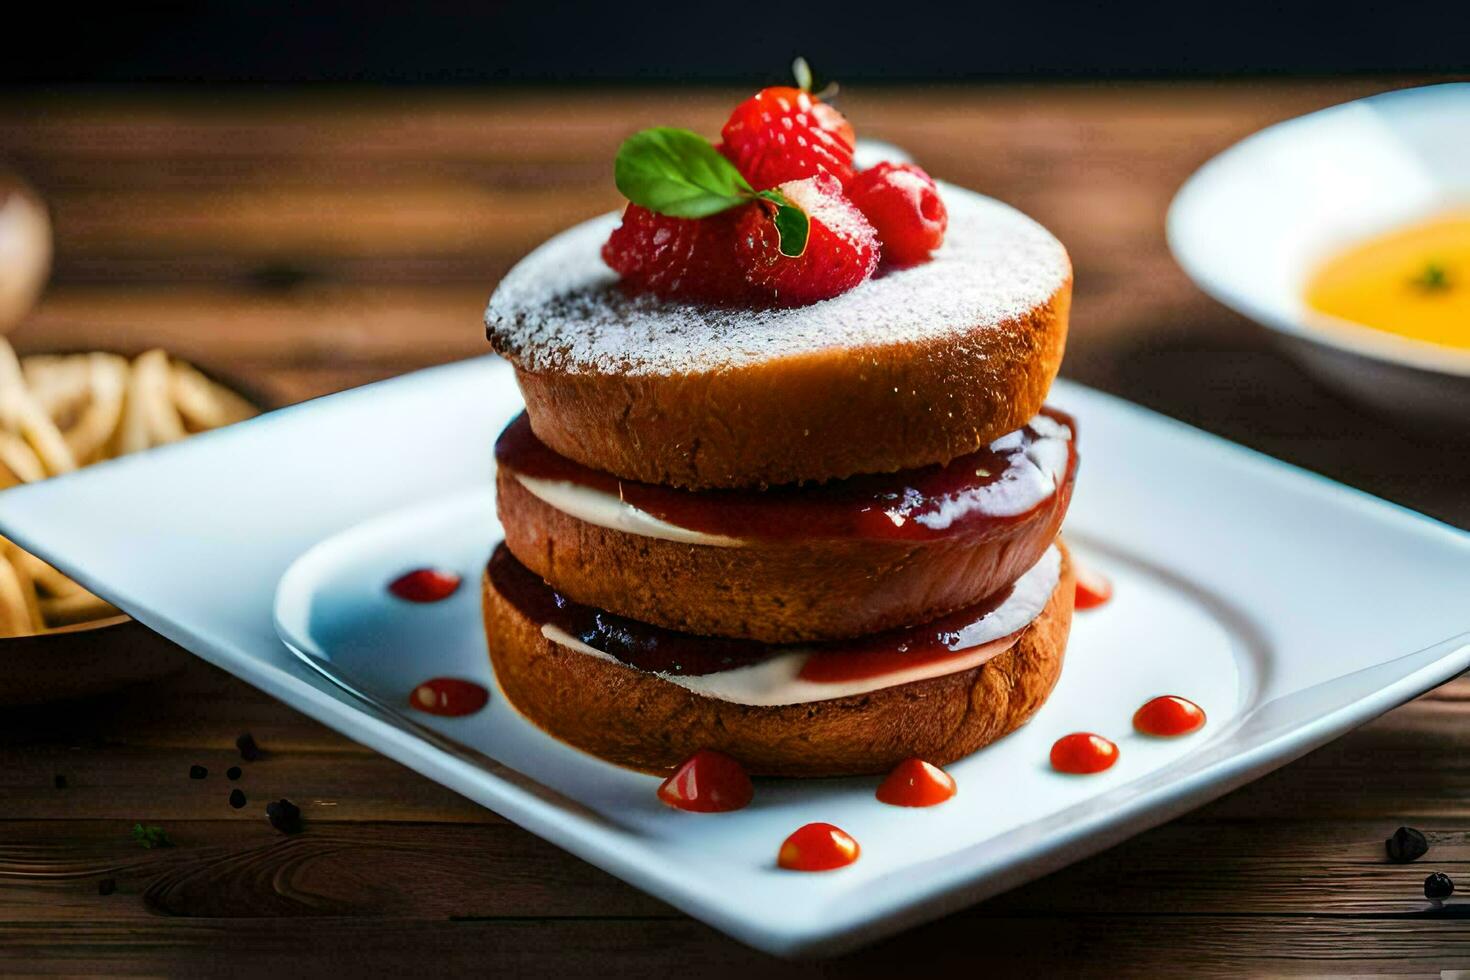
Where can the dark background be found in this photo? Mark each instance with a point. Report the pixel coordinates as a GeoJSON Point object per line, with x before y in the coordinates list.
{"type": "Point", "coordinates": [722, 41]}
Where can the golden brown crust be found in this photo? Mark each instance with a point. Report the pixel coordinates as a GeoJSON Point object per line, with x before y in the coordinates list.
{"type": "Point", "coordinates": [638, 720]}
{"type": "Point", "coordinates": [814, 417]}
{"type": "Point", "coordinates": [772, 591]}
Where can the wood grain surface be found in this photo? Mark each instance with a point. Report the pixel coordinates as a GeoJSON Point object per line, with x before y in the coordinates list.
{"type": "Point", "coordinates": [306, 242]}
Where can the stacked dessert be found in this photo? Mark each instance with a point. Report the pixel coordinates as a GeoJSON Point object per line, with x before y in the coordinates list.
{"type": "Point", "coordinates": [785, 487]}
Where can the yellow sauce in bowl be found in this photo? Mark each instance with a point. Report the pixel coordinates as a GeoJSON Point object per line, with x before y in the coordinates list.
{"type": "Point", "coordinates": [1413, 282]}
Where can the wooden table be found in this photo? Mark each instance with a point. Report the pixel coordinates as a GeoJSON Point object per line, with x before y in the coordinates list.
{"type": "Point", "coordinates": [307, 243]}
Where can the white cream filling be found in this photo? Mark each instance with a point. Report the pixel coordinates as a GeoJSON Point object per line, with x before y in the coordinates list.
{"type": "Point", "coordinates": [775, 681]}
{"type": "Point", "coordinates": [1032, 477]}
{"type": "Point", "coordinates": [605, 510]}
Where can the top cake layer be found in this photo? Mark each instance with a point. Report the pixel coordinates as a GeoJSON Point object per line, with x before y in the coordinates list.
{"type": "Point", "coordinates": [916, 366]}
{"type": "Point", "coordinates": [559, 309]}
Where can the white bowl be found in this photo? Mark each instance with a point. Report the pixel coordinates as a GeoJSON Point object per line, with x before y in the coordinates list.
{"type": "Point", "coordinates": [1251, 225]}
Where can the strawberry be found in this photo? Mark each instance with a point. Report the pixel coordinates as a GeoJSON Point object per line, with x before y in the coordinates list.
{"type": "Point", "coordinates": [782, 134]}
{"type": "Point", "coordinates": [841, 248]}
{"type": "Point", "coordinates": [678, 258]}
{"type": "Point", "coordinates": [902, 203]}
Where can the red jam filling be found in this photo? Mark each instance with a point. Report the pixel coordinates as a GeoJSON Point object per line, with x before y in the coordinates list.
{"type": "Point", "coordinates": [637, 644]}
{"type": "Point", "coordinates": [818, 847]}
{"type": "Point", "coordinates": [644, 646]}
{"type": "Point", "coordinates": [425, 585]}
{"type": "Point", "coordinates": [449, 696]}
{"type": "Point", "coordinates": [914, 782]}
{"type": "Point", "coordinates": [1168, 716]}
{"type": "Point", "coordinates": [900, 649]}
{"type": "Point", "coordinates": [1082, 753]}
{"type": "Point", "coordinates": [708, 782]}
{"type": "Point", "coordinates": [991, 491]}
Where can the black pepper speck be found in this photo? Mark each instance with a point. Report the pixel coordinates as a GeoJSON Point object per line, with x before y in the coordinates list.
{"type": "Point", "coordinates": [1406, 844]}
{"type": "Point", "coordinates": [59, 781]}
{"type": "Point", "coordinates": [249, 751]}
{"type": "Point", "coordinates": [284, 815]}
{"type": "Point", "coordinates": [198, 772]}
{"type": "Point", "coordinates": [1438, 887]}
{"type": "Point", "coordinates": [232, 773]}
{"type": "Point", "coordinates": [237, 798]}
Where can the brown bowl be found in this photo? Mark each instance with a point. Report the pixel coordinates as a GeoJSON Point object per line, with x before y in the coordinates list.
{"type": "Point", "coordinates": [83, 660]}
{"type": "Point", "coordinates": [87, 659]}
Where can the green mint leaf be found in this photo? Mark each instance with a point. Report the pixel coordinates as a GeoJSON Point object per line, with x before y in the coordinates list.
{"type": "Point", "coordinates": [802, 72]}
{"type": "Point", "coordinates": [792, 224]}
{"type": "Point", "coordinates": [678, 173]}
{"type": "Point", "coordinates": [151, 836]}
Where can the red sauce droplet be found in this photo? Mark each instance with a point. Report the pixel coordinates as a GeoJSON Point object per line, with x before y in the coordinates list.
{"type": "Point", "coordinates": [425, 585]}
{"type": "Point", "coordinates": [1093, 588]}
{"type": "Point", "coordinates": [708, 782]}
{"type": "Point", "coordinates": [818, 847]}
{"type": "Point", "coordinates": [1083, 752]}
{"type": "Point", "coordinates": [914, 782]}
{"type": "Point", "coordinates": [449, 696]}
{"type": "Point", "coordinates": [1168, 716]}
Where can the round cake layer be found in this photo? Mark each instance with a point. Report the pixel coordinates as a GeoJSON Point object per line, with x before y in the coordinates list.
{"type": "Point", "coordinates": [644, 720]}
{"type": "Point", "coordinates": [875, 568]}
{"type": "Point", "coordinates": [915, 366]}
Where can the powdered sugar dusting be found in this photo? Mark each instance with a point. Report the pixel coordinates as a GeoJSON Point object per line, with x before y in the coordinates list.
{"type": "Point", "coordinates": [560, 309]}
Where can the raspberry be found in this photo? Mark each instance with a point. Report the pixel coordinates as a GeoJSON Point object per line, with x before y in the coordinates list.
{"type": "Point", "coordinates": [903, 205]}
{"type": "Point", "coordinates": [841, 249]}
{"type": "Point", "coordinates": [782, 134]}
{"type": "Point", "coordinates": [678, 258]}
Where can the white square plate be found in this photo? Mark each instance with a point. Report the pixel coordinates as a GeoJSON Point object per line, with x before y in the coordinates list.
{"type": "Point", "coordinates": [1290, 607]}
